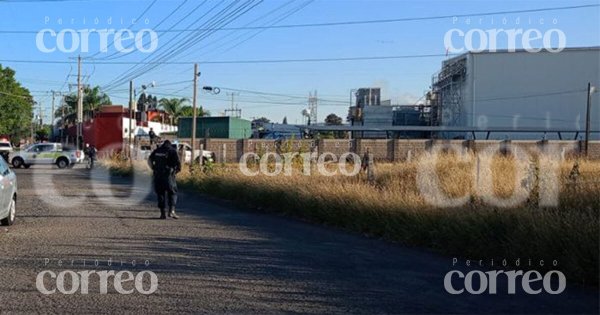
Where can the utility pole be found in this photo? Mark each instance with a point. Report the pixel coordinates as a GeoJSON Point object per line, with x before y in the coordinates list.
{"type": "Point", "coordinates": [195, 114]}
{"type": "Point", "coordinates": [79, 105]}
{"type": "Point", "coordinates": [235, 111]}
{"type": "Point", "coordinates": [41, 122]}
{"type": "Point", "coordinates": [131, 100]}
{"type": "Point", "coordinates": [588, 118]}
{"type": "Point", "coordinates": [312, 106]}
{"type": "Point", "coordinates": [52, 114]}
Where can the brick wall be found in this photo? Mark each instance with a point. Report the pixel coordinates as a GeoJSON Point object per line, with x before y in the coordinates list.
{"type": "Point", "coordinates": [231, 150]}
{"type": "Point", "coordinates": [405, 149]}
{"type": "Point", "coordinates": [336, 146]}
{"type": "Point", "coordinates": [381, 149]}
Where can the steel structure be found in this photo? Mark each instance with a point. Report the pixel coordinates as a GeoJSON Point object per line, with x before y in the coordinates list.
{"type": "Point", "coordinates": [474, 131]}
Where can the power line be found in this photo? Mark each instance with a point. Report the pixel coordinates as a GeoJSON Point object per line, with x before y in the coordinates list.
{"type": "Point", "coordinates": [361, 22]}
{"type": "Point", "coordinates": [27, 97]}
{"type": "Point", "coordinates": [278, 94]}
{"type": "Point", "coordinates": [130, 25]}
{"type": "Point", "coordinates": [26, 1]}
{"type": "Point", "coordinates": [529, 95]}
{"type": "Point", "coordinates": [157, 25]}
{"type": "Point", "coordinates": [225, 14]}
{"type": "Point", "coordinates": [278, 19]}
{"type": "Point", "coordinates": [239, 61]}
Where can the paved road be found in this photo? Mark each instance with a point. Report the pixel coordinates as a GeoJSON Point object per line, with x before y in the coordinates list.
{"type": "Point", "coordinates": [218, 258]}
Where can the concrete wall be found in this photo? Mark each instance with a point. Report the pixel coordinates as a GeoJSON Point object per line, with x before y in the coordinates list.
{"type": "Point", "coordinates": [231, 150]}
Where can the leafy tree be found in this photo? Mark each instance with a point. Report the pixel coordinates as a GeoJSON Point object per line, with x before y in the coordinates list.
{"type": "Point", "coordinates": [147, 102]}
{"type": "Point", "coordinates": [15, 106]}
{"type": "Point", "coordinates": [93, 98]}
{"type": "Point", "coordinates": [43, 133]}
{"type": "Point", "coordinates": [173, 107]}
{"type": "Point", "coordinates": [285, 120]}
{"type": "Point", "coordinates": [188, 111]}
{"type": "Point", "coordinates": [333, 120]}
{"type": "Point", "coordinates": [263, 120]}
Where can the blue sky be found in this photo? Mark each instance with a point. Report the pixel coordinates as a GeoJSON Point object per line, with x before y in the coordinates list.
{"type": "Point", "coordinates": [402, 80]}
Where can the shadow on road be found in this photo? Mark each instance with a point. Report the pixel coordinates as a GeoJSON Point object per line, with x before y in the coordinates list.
{"type": "Point", "coordinates": [246, 261]}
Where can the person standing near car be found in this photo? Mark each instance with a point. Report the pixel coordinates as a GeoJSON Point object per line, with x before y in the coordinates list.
{"type": "Point", "coordinates": [90, 152]}
{"type": "Point", "coordinates": [165, 164]}
{"type": "Point", "coordinates": [152, 136]}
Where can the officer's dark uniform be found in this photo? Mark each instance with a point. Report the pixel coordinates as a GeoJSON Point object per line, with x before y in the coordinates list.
{"type": "Point", "coordinates": [91, 153]}
{"type": "Point", "coordinates": [165, 164]}
{"type": "Point", "coordinates": [152, 136]}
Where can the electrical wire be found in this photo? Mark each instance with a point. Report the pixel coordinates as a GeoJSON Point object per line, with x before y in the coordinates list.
{"type": "Point", "coordinates": [362, 22]}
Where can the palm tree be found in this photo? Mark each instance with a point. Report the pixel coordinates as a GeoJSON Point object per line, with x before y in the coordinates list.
{"type": "Point", "coordinates": [188, 111]}
{"type": "Point", "coordinates": [173, 107]}
{"type": "Point", "coordinates": [93, 98]}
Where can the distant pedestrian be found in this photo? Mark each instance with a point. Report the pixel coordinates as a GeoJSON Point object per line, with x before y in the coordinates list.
{"type": "Point", "coordinates": [152, 136]}
{"type": "Point", "coordinates": [165, 164]}
{"type": "Point", "coordinates": [90, 153]}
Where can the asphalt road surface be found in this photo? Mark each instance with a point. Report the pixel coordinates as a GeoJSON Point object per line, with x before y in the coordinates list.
{"type": "Point", "coordinates": [219, 258]}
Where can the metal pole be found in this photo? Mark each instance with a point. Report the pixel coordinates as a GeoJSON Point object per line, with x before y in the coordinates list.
{"type": "Point", "coordinates": [195, 114]}
{"type": "Point", "coordinates": [130, 117]}
{"type": "Point", "coordinates": [79, 105]}
{"type": "Point", "coordinates": [587, 118]}
{"type": "Point", "coordinates": [52, 114]}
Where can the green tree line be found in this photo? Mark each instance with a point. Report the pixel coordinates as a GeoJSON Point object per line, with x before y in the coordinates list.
{"type": "Point", "coordinates": [16, 106]}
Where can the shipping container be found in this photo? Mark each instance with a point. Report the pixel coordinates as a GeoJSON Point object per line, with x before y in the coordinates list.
{"type": "Point", "coordinates": [215, 127]}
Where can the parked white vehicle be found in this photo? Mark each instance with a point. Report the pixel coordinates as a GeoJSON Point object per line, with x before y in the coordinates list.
{"type": "Point", "coordinates": [207, 156]}
{"type": "Point", "coordinates": [184, 150]}
{"type": "Point", "coordinates": [8, 194]}
{"type": "Point", "coordinates": [6, 146]}
{"type": "Point", "coordinates": [5, 149]}
{"type": "Point", "coordinates": [47, 153]}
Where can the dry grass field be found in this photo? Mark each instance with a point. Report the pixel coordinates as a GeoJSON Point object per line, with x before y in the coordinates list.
{"type": "Point", "coordinates": [491, 207]}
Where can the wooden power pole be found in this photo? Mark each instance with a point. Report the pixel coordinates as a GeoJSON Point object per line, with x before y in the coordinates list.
{"type": "Point", "coordinates": [79, 106]}
{"type": "Point", "coordinates": [195, 114]}
{"type": "Point", "coordinates": [130, 132]}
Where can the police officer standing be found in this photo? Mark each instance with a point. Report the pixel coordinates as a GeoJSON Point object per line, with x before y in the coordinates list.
{"type": "Point", "coordinates": [165, 164]}
{"type": "Point", "coordinates": [152, 136]}
{"type": "Point", "coordinates": [90, 152]}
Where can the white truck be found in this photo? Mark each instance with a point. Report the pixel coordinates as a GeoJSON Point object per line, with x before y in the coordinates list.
{"type": "Point", "coordinates": [207, 156]}
{"type": "Point", "coordinates": [185, 152]}
{"type": "Point", "coordinates": [46, 153]}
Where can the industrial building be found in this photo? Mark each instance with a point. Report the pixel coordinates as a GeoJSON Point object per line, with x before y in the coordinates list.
{"type": "Point", "coordinates": [224, 127]}
{"type": "Point", "coordinates": [516, 90]}
{"type": "Point", "coordinates": [262, 130]}
{"type": "Point", "coordinates": [519, 95]}
{"type": "Point", "coordinates": [372, 112]}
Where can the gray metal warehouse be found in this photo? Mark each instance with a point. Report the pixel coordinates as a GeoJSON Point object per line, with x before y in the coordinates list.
{"type": "Point", "coordinates": [517, 90]}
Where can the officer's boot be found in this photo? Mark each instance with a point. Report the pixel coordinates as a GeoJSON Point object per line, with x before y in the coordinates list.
{"type": "Point", "coordinates": [172, 213]}
{"type": "Point", "coordinates": [162, 214]}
